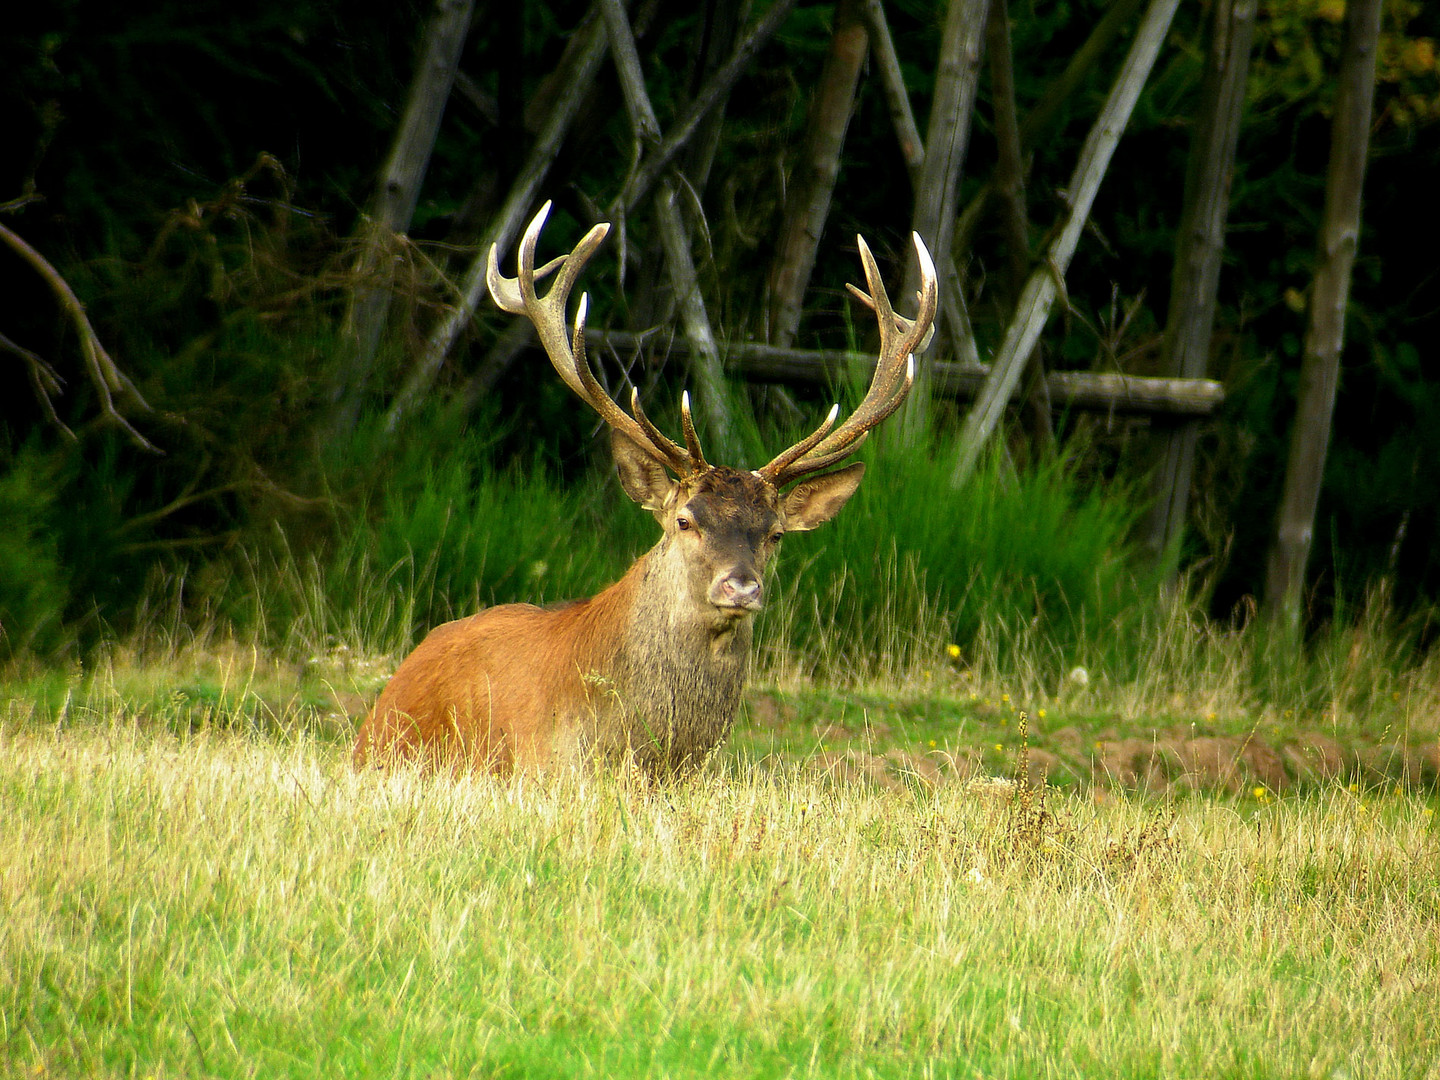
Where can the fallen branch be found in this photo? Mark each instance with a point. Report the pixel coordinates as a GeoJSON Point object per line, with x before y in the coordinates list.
{"type": "Point", "coordinates": [107, 379]}
{"type": "Point", "coordinates": [1085, 390]}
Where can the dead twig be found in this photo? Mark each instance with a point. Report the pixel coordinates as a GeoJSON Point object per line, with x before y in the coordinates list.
{"type": "Point", "coordinates": [105, 376]}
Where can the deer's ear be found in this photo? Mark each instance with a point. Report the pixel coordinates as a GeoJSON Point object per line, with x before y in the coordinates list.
{"type": "Point", "coordinates": [643, 478]}
{"type": "Point", "coordinates": [813, 502]}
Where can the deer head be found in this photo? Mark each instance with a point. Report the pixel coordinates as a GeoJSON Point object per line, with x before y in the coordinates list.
{"type": "Point", "coordinates": [723, 522]}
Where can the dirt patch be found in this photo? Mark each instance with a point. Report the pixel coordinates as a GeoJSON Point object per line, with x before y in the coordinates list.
{"type": "Point", "coordinates": [882, 743]}
{"type": "Point", "coordinates": [1234, 765]}
{"type": "Point", "coordinates": [1215, 763]}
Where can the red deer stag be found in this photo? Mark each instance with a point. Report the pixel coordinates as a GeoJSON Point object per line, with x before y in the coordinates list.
{"type": "Point", "coordinates": [653, 666]}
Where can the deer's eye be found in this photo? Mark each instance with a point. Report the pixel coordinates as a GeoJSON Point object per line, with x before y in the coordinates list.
{"type": "Point", "coordinates": [683, 523]}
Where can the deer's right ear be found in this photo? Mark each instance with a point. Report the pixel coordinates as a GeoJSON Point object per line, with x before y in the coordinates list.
{"type": "Point", "coordinates": [643, 478]}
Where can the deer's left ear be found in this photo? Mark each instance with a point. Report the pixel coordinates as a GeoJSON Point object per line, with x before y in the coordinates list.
{"type": "Point", "coordinates": [813, 502]}
{"type": "Point", "coordinates": [643, 478]}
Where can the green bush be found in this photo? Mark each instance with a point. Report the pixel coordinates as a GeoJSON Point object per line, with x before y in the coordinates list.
{"type": "Point", "coordinates": [1010, 562]}
{"type": "Point", "coordinates": [33, 582]}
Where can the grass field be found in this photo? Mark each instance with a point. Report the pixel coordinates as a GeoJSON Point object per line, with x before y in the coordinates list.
{"type": "Point", "coordinates": [199, 885]}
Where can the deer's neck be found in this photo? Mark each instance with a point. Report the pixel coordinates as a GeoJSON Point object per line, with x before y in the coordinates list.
{"type": "Point", "coordinates": [679, 668]}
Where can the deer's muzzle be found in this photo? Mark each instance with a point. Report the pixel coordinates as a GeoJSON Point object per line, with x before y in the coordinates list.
{"type": "Point", "coordinates": [738, 589]}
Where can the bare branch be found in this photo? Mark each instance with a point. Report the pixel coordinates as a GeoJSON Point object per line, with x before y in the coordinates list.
{"type": "Point", "coordinates": [105, 376]}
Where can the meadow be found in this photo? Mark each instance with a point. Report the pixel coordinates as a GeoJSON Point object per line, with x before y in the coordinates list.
{"type": "Point", "coordinates": [196, 883]}
{"type": "Point", "coordinates": [996, 805]}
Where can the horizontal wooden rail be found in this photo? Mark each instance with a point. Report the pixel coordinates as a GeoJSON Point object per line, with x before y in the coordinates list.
{"type": "Point", "coordinates": [1086, 390]}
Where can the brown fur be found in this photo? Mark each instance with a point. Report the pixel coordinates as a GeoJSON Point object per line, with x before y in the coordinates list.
{"type": "Point", "coordinates": [650, 668]}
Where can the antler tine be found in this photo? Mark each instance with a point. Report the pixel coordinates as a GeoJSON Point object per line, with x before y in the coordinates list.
{"type": "Point", "coordinates": [687, 428]}
{"type": "Point", "coordinates": [800, 449]}
{"type": "Point", "coordinates": [894, 373]}
{"type": "Point", "coordinates": [674, 453]}
{"type": "Point", "coordinates": [567, 349]}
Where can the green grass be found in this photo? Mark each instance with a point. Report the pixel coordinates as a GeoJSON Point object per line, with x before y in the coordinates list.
{"type": "Point", "coordinates": [194, 882]}
{"type": "Point", "coordinates": [228, 898]}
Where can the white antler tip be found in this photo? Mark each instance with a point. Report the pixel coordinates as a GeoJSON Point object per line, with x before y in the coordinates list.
{"type": "Point", "coordinates": [834, 412]}
{"type": "Point", "coordinates": [685, 400]}
{"type": "Point", "coordinates": [927, 264]}
{"type": "Point", "coordinates": [536, 225]}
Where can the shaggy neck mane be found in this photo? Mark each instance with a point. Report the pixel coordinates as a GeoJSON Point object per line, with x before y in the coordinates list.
{"type": "Point", "coordinates": [676, 670]}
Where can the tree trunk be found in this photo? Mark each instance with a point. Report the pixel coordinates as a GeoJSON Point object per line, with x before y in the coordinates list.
{"type": "Point", "coordinates": [713, 403]}
{"type": "Point", "coordinates": [1320, 366]}
{"type": "Point", "coordinates": [1043, 114]}
{"type": "Point", "coordinates": [575, 87]}
{"type": "Point", "coordinates": [893, 81]}
{"type": "Point", "coordinates": [813, 184]}
{"type": "Point", "coordinates": [394, 204]}
{"type": "Point", "coordinates": [946, 137]}
{"type": "Point", "coordinates": [1009, 189]}
{"type": "Point", "coordinates": [1199, 245]}
{"type": "Point", "coordinates": [1043, 285]}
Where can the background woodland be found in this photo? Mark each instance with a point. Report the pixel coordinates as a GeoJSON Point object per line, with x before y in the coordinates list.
{"type": "Point", "coordinates": [288, 408]}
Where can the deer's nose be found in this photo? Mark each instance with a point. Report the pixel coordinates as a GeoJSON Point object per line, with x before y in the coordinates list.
{"type": "Point", "coordinates": [738, 589]}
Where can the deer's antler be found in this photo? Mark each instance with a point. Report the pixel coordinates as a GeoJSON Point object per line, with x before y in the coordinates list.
{"type": "Point", "coordinates": [894, 374]}
{"type": "Point", "coordinates": [566, 348]}
{"type": "Point", "coordinates": [894, 370]}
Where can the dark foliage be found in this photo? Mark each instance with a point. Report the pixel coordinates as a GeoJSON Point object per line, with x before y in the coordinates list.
{"type": "Point", "coordinates": [195, 168]}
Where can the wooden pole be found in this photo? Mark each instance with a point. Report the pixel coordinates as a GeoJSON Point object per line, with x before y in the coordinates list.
{"type": "Point", "coordinates": [1199, 246]}
{"type": "Point", "coordinates": [519, 205]}
{"type": "Point", "coordinates": [1130, 395]}
{"type": "Point", "coordinates": [1043, 286]}
{"type": "Point", "coordinates": [1320, 366]}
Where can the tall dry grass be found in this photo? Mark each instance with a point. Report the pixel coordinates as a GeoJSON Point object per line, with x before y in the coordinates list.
{"type": "Point", "coordinates": [230, 902]}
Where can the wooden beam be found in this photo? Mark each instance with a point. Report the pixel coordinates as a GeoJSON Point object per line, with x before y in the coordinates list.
{"type": "Point", "coordinates": [1085, 390]}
